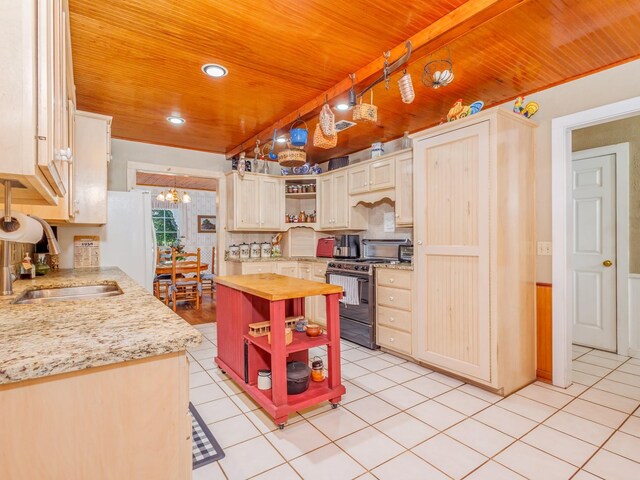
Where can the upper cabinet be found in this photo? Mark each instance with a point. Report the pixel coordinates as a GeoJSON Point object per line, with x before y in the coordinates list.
{"type": "Point", "coordinates": [372, 176]}
{"type": "Point", "coordinates": [86, 199]}
{"type": "Point", "coordinates": [334, 212]}
{"type": "Point", "coordinates": [256, 202]}
{"type": "Point", "coordinates": [37, 91]}
{"type": "Point", "coordinates": [404, 189]}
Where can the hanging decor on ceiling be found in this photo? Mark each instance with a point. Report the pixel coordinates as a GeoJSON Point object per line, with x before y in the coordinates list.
{"type": "Point", "coordinates": [438, 73]}
{"type": "Point", "coordinates": [327, 120]}
{"type": "Point", "coordinates": [321, 140]}
{"type": "Point", "coordinates": [292, 157]}
{"type": "Point", "coordinates": [405, 84]}
{"type": "Point", "coordinates": [367, 112]}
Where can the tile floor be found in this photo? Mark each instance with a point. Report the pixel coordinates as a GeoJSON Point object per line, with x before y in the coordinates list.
{"type": "Point", "coordinates": [402, 421]}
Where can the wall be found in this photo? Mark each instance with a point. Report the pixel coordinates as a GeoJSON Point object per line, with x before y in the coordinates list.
{"type": "Point", "coordinates": [608, 86]}
{"type": "Point", "coordinates": [620, 131]}
{"type": "Point", "coordinates": [124, 151]}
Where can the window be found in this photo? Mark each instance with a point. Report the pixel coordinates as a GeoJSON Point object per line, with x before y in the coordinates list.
{"type": "Point", "coordinates": [166, 224]}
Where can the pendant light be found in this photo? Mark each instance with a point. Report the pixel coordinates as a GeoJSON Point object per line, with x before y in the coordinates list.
{"type": "Point", "coordinates": [173, 196]}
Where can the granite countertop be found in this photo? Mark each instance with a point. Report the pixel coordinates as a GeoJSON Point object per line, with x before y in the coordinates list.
{"type": "Point", "coordinates": [394, 266]}
{"type": "Point", "coordinates": [283, 259]}
{"type": "Point", "coordinates": [39, 340]}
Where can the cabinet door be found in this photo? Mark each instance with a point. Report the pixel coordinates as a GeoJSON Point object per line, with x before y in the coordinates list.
{"type": "Point", "coordinates": [382, 174]}
{"type": "Point", "coordinates": [404, 190]}
{"type": "Point", "coordinates": [258, 267]}
{"type": "Point", "coordinates": [359, 179]}
{"type": "Point", "coordinates": [247, 202]}
{"type": "Point", "coordinates": [340, 201]}
{"type": "Point", "coordinates": [271, 203]}
{"type": "Point", "coordinates": [320, 305]}
{"type": "Point", "coordinates": [290, 269]}
{"type": "Point", "coordinates": [325, 196]}
{"type": "Point", "coordinates": [452, 251]}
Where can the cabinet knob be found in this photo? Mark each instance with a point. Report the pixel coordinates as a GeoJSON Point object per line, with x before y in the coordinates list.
{"type": "Point", "coordinates": [390, 298]}
{"type": "Point", "coordinates": [391, 339]}
{"type": "Point", "coordinates": [391, 280]}
{"type": "Point", "coordinates": [371, 182]}
{"type": "Point", "coordinates": [397, 215]}
{"type": "Point", "coordinates": [391, 319]}
{"type": "Point", "coordinates": [419, 242]}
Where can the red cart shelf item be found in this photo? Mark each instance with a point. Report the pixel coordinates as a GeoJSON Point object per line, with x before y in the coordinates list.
{"type": "Point", "coordinates": [246, 299]}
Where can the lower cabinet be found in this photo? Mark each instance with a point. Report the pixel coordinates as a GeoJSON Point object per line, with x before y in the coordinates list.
{"type": "Point", "coordinates": [394, 322]}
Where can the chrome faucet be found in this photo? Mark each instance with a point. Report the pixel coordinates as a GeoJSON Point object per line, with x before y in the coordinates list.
{"type": "Point", "coordinates": [54, 246]}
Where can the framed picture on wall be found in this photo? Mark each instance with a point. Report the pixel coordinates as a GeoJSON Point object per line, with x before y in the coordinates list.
{"type": "Point", "coordinates": [206, 224]}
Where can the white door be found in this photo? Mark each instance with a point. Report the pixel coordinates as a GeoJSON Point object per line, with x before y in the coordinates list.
{"type": "Point", "coordinates": [593, 252]}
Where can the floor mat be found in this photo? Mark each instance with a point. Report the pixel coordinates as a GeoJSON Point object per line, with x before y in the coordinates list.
{"type": "Point", "coordinates": [205, 448]}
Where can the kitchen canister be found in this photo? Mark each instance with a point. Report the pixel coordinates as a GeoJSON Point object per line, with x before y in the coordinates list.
{"type": "Point", "coordinates": [377, 149]}
{"type": "Point", "coordinates": [234, 252]}
{"type": "Point", "coordinates": [254, 250]}
{"type": "Point", "coordinates": [264, 379]}
{"type": "Point", "coordinates": [265, 250]}
{"type": "Point", "coordinates": [245, 251]}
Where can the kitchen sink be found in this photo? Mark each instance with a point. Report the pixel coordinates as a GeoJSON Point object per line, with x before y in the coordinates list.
{"type": "Point", "coordinates": [61, 294]}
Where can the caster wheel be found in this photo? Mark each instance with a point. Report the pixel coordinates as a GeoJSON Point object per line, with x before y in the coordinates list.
{"type": "Point", "coordinates": [281, 426]}
{"type": "Point", "coordinates": [334, 406]}
{"type": "Point", "coordinates": [223, 371]}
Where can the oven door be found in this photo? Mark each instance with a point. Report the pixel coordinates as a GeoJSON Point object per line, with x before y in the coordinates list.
{"type": "Point", "coordinates": [357, 313]}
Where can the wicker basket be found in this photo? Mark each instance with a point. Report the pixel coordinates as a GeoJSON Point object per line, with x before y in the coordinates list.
{"type": "Point", "coordinates": [292, 157]}
{"type": "Point", "coordinates": [321, 140]}
{"type": "Point", "coordinates": [327, 121]}
{"type": "Point", "coordinates": [367, 112]}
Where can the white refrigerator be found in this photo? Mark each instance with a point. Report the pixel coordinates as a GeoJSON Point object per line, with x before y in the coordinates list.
{"type": "Point", "coordinates": [127, 241]}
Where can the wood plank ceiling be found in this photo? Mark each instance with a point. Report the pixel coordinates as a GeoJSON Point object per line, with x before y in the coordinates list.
{"type": "Point", "coordinates": [140, 60]}
{"type": "Point", "coordinates": [186, 182]}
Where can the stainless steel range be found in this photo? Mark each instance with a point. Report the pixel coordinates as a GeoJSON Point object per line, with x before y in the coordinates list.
{"type": "Point", "coordinates": [357, 309]}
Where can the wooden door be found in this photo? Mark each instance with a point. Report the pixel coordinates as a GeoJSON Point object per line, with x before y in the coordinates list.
{"type": "Point", "coordinates": [382, 174]}
{"type": "Point", "coordinates": [593, 257]}
{"type": "Point", "coordinates": [452, 251]}
{"type": "Point", "coordinates": [404, 190]}
{"type": "Point", "coordinates": [271, 203]}
{"type": "Point", "coordinates": [359, 179]}
{"type": "Point", "coordinates": [247, 205]}
{"type": "Point", "coordinates": [340, 200]}
{"type": "Point", "coordinates": [325, 201]}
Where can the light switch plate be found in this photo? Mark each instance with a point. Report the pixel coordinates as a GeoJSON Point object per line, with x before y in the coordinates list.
{"type": "Point", "coordinates": [544, 248]}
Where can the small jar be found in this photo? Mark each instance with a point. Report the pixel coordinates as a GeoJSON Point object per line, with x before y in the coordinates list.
{"type": "Point", "coordinates": [265, 250]}
{"type": "Point", "coordinates": [245, 251]}
{"type": "Point", "coordinates": [255, 250]}
{"type": "Point", "coordinates": [234, 252]}
{"type": "Point", "coordinates": [317, 369]}
{"type": "Point", "coordinates": [264, 379]}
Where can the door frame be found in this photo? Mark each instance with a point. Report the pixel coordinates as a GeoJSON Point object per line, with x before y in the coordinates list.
{"type": "Point", "coordinates": [561, 158]}
{"type": "Point", "coordinates": [221, 195]}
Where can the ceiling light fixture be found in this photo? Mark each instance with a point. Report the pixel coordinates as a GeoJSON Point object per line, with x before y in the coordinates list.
{"type": "Point", "coordinates": [175, 120]}
{"type": "Point", "coordinates": [281, 140]}
{"type": "Point", "coordinates": [214, 70]}
{"type": "Point", "coordinates": [173, 196]}
{"type": "Point", "coordinates": [342, 107]}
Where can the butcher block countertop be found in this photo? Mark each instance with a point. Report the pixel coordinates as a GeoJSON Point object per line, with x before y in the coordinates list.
{"type": "Point", "coordinates": [273, 287]}
{"type": "Point", "coordinates": [39, 340]}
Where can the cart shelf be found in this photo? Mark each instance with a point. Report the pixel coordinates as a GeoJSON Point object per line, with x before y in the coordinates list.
{"type": "Point", "coordinates": [301, 341]}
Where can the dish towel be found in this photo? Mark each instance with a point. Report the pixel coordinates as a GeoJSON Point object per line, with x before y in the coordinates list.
{"type": "Point", "coordinates": [349, 286]}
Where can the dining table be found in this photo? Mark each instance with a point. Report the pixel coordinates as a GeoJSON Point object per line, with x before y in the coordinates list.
{"type": "Point", "coordinates": [182, 267]}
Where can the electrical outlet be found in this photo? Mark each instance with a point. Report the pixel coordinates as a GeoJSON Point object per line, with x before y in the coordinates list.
{"type": "Point", "coordinates": [544, 248]}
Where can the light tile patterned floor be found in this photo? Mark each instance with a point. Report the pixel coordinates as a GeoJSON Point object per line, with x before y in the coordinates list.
{"type": "Point", "coordinates": [402, 421]}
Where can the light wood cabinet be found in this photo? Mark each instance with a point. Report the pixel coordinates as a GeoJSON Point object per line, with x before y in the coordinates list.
{"type": "Point", "coordinates": [394, 307]}
{"type": "Point", "coordinates": [371, 176]}
{"type": "Point", "coordinates": [256, 267]}
{"type": "Point", "coordinates": [86, 200]}
{"type": "Point", "coordinates": [36, 84]}
{"type": "Point", "coordinates": [97, 417]}
{"type": "Point", "coordinates": [290, 269]}
{"type": "Point", "coordinates": [256, 202]}
{"type": "Point", "coordinates": [404, 189]}
{"type": "Point", "coordinates": [334, 212]}
{"type": "Point", "coordinates": [474, 249]}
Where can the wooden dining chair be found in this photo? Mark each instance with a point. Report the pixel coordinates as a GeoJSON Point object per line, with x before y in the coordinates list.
{"type": "Point", "coordinates": [189, 289]}
{"type": "Point", "coordinates": [161, 282]}
{"type": "Point", "coordinates": [208, 279]}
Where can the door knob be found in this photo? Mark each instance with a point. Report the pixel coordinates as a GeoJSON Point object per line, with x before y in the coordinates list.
{"type": "Point", "coordinates": [607, 263]}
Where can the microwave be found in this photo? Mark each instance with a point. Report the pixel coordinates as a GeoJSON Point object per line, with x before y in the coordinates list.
{"type": "Point", "coordinates": [405, 253]}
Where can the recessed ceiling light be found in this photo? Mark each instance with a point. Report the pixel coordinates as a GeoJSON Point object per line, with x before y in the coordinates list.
{"type": "Point", "coordinates": [175, 120]}
{"type": "Point", "coordinates": [281, 140]}
{"type": "Point", "coordinates": [214, 70]}
{"type": "Point", "coordinates": [342, 107]}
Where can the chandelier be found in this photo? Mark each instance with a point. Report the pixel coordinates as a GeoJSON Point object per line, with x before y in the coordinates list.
{"type": "Point", "coordinates": [173, 196]}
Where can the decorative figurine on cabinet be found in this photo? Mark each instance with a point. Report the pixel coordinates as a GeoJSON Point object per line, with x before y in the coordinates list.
{"type": "Point", "coordinates": [527, 111]}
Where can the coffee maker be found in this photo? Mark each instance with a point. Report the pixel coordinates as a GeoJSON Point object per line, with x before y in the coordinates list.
{"type": "Point", "coordinates": [347, 246]}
